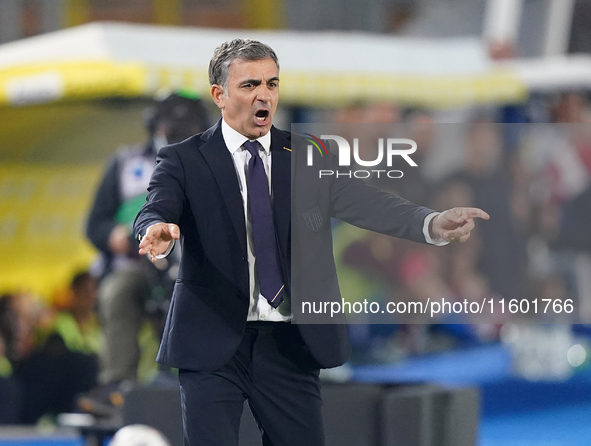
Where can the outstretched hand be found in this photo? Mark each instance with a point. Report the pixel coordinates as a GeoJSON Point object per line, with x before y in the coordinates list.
{"type": "Point", "coordinates": [158, 238]}
{"type": "Point", "coordinates": [455, 224]}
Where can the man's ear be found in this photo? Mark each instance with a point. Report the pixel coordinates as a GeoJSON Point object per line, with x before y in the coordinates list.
{"type": "Point", "coordinates": [217, 94]}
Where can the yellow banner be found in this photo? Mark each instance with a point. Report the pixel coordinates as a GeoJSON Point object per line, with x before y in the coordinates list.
{"type": "Point", "coordinates": [60, 81]}
{"type": "Point", "coordinates": [43, 210]}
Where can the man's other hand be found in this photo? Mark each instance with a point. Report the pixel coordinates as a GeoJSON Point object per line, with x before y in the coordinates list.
{"type": "Point", "coordinates": [455, 224]}
{"type": "Point", "coordinates": [158, 238]}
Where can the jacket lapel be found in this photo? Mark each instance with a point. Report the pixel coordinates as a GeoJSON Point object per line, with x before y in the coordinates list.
{"type": "Point", "coordinates": [281, 185]}
{"type": "Point", "coordinates": [220, 161]}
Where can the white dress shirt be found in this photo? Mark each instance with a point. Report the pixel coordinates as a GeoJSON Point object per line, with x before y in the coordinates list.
{"type": "Point", "coordinates": [259, 308]}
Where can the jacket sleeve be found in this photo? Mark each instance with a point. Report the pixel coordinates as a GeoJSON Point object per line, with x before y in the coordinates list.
{"type": "Point", "coordinates": [107, 201]}
{"type": "Point", "coordinates": [356, 202]}
{"type": "Point", "coordinates": [166, 193]}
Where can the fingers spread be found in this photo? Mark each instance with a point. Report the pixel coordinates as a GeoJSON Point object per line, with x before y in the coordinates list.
{"type": "Point", "coordinates": [157, 239]}
{"type": "Point", "coordinates": [145, 249]}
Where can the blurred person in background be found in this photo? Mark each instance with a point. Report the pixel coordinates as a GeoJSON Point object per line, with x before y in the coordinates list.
{"type": "Point", "coordinates": [555, 167]}
{"type": "Point", "coordinates": [133, 290]}
{"type": "Point", "coordinates": [77, 324]}
{"type": "Point", "coordinates": [8, 328]}
{"type": "Point", "coordinates": [10, 388]}
{"type": "Point", "coordinates": [65, 359]}
{"type": "Point", "coordinates": [576, 210]}
{"type": "Point", "coordinates": [554, 160]}
{"type": "Point", "coordinates": [27, 318]}
{"type": "Point", "coordinates": [503, 252]}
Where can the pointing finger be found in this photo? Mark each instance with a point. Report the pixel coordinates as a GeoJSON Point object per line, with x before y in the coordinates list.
{"type": "Point", "coordinates": [474, 213]}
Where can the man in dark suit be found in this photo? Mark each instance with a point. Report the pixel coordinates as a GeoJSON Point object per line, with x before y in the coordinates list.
{"type": "Point", "coordinates": [228, 192]}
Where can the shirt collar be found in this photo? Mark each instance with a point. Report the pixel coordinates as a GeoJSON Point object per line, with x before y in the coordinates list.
{"type": "Point", "coordinates": [234, 140]}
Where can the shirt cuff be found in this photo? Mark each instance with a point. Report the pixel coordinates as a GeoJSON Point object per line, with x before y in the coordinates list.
{"type": "Point", "coordinates": [437, 242]}
{"type": "Point", "coordinates": [168, 250]}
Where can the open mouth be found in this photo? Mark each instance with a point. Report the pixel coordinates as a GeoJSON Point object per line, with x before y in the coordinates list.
{"type": "Point", "coordinates": [262, 116]}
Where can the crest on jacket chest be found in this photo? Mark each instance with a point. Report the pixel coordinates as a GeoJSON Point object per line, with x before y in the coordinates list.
{"type": "Point", "coordinates": [313, 219]}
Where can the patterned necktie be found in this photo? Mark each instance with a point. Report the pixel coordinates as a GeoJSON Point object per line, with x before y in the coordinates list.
{"type": "Point", "coordinates": [263, 228]}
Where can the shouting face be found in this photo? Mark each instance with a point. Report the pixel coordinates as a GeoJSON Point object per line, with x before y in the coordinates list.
{"type": "Point", "coordinates": [249, 101]}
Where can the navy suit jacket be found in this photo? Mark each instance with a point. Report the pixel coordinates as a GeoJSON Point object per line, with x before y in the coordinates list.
{"type": "Point", "coordinates": [195, 186]}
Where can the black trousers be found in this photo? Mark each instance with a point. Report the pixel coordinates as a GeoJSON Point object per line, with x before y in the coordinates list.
{"type": "Point", "coordinates": [274, 371]}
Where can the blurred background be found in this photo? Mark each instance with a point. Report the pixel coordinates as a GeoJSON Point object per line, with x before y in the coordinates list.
{"type": "Point", "coordinates": [496, 94]}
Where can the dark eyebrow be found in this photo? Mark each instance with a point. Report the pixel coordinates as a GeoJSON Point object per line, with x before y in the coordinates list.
{"type": "Point", "coordinates": [251, 81]}
{"type": "Point", "coordinates": [256, 82]}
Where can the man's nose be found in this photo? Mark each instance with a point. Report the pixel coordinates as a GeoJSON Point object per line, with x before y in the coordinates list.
{"type": "Point", "coordinates": [263, 93]}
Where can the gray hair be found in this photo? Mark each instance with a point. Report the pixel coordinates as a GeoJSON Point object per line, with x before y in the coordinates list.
{"type": "Point", "coordinates": [237, 49]}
